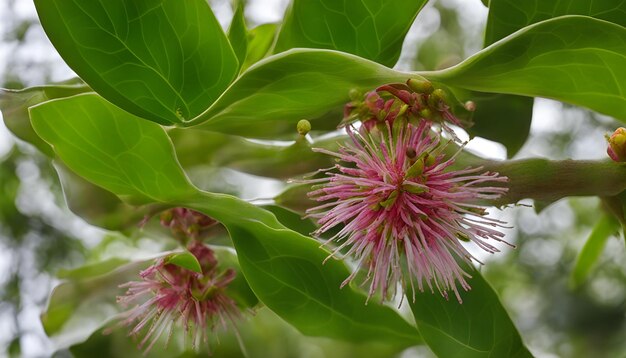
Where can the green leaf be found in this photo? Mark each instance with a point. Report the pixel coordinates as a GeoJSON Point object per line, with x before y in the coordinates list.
{"type": "Point", "coordinates": [588, 256]}
{"type": "Point", "coordinates": [196, 147]}
{"type": "Point", "coordinates": [185, 260]}
{"type": "Point", "coordinates": [132, 165]}
{"type": "Point", "coordinates": [574, 59]}
{"type": "Point", "coordinates": [372, 29]}
{"type": "Point", "coordinates": [478, 327]}
{"type": "Point", "coordinates": [238, 35]}
{"type": "Point", "coordinates": [503, 118]}
{"type": "Point", "coordinates": [84, 303]}
{"type": "Point", "coordinates": [14, 105]}
{"type": "Point", "coordinates": [506, 118]}
{"type": "Point", "coordinates": [92, 270]}
{"type": "Point", "coordinates": [507, 16]}
{"type": "Point", "coordinates": [97, 206]}
{"type": "Point", "coordinates": [272, 96]}
{"type": "Point", "coordinates": [283, 268]}
{"type": "Point", "coordinates": [164, 60]}
{"type": "Point", "coordinates": [260, 40]}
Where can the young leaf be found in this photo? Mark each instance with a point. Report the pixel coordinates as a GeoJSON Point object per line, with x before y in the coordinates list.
{"type": "Point", "coordinates": [164, 60]}
{"type": "Point", "coordinates": [259, 40]}
{"type": "Point", "coordinates": [478, 327]}
{"type": "Point", "coordinates": [272, 96]}
{"type": "Point", "coordinates": [185, 260]}
{"type": "Point", "coordinates": [588, 256]}
{"type": "Point", "coordinates": [372, 29]}
{"type": "Point", "coordinates": [573, 59]}
{"type": "Point", "coordinates": [238, 35]}
{"type": "Point", "coordinates": [283, 268]}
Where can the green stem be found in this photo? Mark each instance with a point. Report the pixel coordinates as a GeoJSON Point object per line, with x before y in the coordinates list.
{"type": "Point", "coordinates": [547, 180]}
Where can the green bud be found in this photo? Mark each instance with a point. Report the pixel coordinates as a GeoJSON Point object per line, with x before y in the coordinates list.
{"type": "Point", "coordinates": [303, 127]}
{"type": "Point", "coordinates": [429, 160]}
{"type": "Point", "coordinates": [420, 86]}
{"type": "Point", "coordinates": [416, 169]}
{"type": "Point", "coordinates": [390, 200]}
{"type": "Point", "coordinates": [426, 113]}
{"type": "Point", "coordinates": [436, 97]}
{"type": "Point", "coordinates": [355, 94]}
{"type": "Point", "coordinates": [414, 189]}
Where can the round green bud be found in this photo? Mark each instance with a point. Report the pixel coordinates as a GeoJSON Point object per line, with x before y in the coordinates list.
{"type": "Point", "coordinates": [303, 127]}
{"type": "Point", "coordinates": [470, 106]}
{"type": "Point", "coordinates": [420, 86]}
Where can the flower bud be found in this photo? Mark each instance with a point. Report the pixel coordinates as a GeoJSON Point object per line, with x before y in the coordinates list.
{"type": "Point", "coordinates": [420, 86]}
{"type": "Point", "coordinates": [303, 127]}
{"type": "Point", "coordinates": [617, 145]}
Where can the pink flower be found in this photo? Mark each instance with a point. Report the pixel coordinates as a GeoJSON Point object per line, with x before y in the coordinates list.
{"type": "Point", "coordinates": [169, 296]}
{"type": "Point", "coordinates": [403, 209]}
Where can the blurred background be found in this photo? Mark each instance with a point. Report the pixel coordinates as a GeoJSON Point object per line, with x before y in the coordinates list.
{"type": "Point", "coordinates": [39, 236]}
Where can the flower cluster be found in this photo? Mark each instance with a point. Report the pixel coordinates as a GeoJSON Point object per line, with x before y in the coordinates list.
{"type": "Point", "coordinates": [186, 223]}
{"type": "Point", "coordinates": [414, 100]}
{"type": "Point", "coordinates": [403, 211]}
{"type": "Point", "coordinates": [169, 296]}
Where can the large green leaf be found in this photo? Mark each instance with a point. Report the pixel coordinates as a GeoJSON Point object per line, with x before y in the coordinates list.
{"type": "Point", "coordinates": [508, 16]}
{"type": "Point", "coordinates": [478, 327]}
{"type": "Point", "coordinates": [135, 159]}
{"type": "Point", "coordinates": [89, 133]}
{"type": "Point", "coordinates": [14, 105]}
{"type": "Point", "coordinates": [373, 29]}
{"type": "Point", "coordinates": [575, 59]}
{"type": "Point", "coordinates": [506, 118]}
{"type": "Point", "coordinates": [272, 96]}
{"type": "Point", "coordinates": [164, 60]}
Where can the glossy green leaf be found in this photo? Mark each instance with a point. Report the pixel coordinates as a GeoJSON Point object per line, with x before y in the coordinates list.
{"type": "Point", "coordinates": [128, 165]}
{"type": "Point", "coordinates": [14, 106]}
{"type": "Point", "coordinates": [238, 35]}
{"type": "Point", "coordinates": [506, 118]}
{"type": "Point", "coordinates": [478, 327]}
{"type": "Point", "coordinates": [196, 147]}
{"type": "Point", "coordinates": [272, 96]}
{"type": "Point", "coordinates": [507, 16]}
{"type": "Point", "coordinates": [283, 268]}
{"type": "Point", "coordinates": [574, 59]}
{"type": "Point", "coordinates": [164, 60]}
{"type": "Point", "coordinates": [373, 29]}
{"type": "Point", "coordinates": [185, 260]}
{"type": "Point", "coordinates": [588, 256]}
